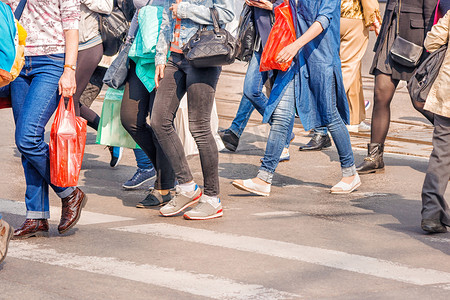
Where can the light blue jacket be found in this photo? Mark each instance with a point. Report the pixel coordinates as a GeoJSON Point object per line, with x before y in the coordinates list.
{"type": "Point", "coordinates": [193, 14]}
{"type": "Point", "coordinates": [7, 35]}
{"type": "Point", "coordinates": [316, 67]}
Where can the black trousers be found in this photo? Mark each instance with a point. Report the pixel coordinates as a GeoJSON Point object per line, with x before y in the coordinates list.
{"type": "Point", "coordinates": [137, 104]}
{"type": "Point", "coordinates": [200, 85]}
{"type": "Point", "coordinates": [434, 205]}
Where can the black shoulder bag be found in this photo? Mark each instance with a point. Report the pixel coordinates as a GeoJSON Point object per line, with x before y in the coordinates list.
{"type": "Point", "coordinates": [403, 51]}
{"type": "Point", "coordinates": [246, 36]}
{"type": "Point", "coordinates": [211, 48]}
{"type": "Point", "coordinates": [113, 29]}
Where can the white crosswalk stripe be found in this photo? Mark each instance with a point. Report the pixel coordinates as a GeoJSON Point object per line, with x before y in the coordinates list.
{"type": "Point", "coordinates": [329, 258]}
{"type": "Point", "coordinates": [87, 218]}
{"type": "Point", "coordinates": [197, 284]}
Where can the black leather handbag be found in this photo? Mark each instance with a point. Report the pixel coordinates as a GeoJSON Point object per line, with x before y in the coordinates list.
{"type": "Point", "coordinates": [113, 29]}
{"type": "Point", "coordinates": [403, 51]}
{"type": "Point", "coordinates": [421, 81]}
{"type": "Point", "coordinates": [246, 36]}
{"type": "Point", "coordinates": [211, 48]}
{"type": "Point", "coordinates": [117, 72]}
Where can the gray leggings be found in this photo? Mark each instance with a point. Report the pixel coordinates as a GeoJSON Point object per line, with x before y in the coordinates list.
{"type": "Point", "coordinates": [200, 84]}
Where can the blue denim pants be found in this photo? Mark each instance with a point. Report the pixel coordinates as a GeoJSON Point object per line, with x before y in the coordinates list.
{"type": "Point", "coordinates": [142, 160]}
{"type": "Point", "coordinates": [34, 100]}
{"type": "Point", "coordinates": [282, 119]}
{"type": "Point", "coordinates": [252, 97]}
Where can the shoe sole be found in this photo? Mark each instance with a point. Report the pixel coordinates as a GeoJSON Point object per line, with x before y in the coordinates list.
{"type": "Point", "coordinates": [129, 187]}
{"type": "Point", "coordinates": [83, 204]}
{"type": "Point", "coordinates": [8, 238]}
{"type": "Point", "coordinates": [216, 215]}
{"type": "Point", "coordinates": [244, 188]}
{"type": "Point", "coordinates": [347, 192]}
{"type": "Point", "coordinates": [29, 235]}
{"type": "Point", "coordinates": [371, 171]}
{"type": "Point", "coordinates": [229, 146]}
{"type": "Point", "coordinates": [434, 230]}
{"type": "Point", "coordinates": [194, 201]}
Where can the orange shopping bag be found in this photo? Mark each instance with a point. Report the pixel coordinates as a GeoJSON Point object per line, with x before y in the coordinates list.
{"type": "Point", "coordinates": [67, 141]}
{"type": "Point", "coordinates": [281, 35]}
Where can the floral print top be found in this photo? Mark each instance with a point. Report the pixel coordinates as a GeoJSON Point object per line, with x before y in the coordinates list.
{"type": "Point", "coordinates": [45, 22]}
{"type": "Point", "coordinates": [367, 10]}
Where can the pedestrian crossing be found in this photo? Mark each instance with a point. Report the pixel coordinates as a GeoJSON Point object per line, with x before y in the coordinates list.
{"type": "Point", "coordinates": [324, 257]}
{"type": "Point", "coordinates": [87, 218]}
{"type": "Point", "coordinates": [210, 285]}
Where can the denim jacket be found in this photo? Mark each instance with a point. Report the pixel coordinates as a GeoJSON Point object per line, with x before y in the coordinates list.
{"type": "Point", "coordinates": [193, 14]}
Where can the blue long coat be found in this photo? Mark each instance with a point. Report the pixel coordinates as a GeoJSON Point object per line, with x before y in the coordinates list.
{"type": "Point", "coordinates": [316, 68]}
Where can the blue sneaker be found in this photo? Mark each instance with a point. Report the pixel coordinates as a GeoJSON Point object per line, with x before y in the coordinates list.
{"type": "Point", "coordinates": [141, 176]}
{"type": "Point", "coordinates": [116, 155]}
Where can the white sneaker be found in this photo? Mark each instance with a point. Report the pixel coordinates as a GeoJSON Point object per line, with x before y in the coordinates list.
{"type": "Point", "coordinates": [249, 186]}
{"type": "Point", "coordinates": [345, 188]}
{"type": "Point", "coordinates": [205, 210]}
{"type": "Point", "coordinates": [352, 128]}
{"type": "Point", "coordinates": [363, 126]}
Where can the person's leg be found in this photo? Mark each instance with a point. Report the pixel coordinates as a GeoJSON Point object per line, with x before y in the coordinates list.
{"type": "Point", "coordinates": [86, 64]}
{"type": "Point", "coordinates": [435, 210]}
{"type": "Point", "coordinates": [94, 87]}
{"type": "Point", "coordinates": [384, 90]}
{"type": "Point", "coordinates": [142, 160]}
{"type": "Point", "coordinates": [281, 125]}
{"type": "Point", "coordinates": [136, 104]}
{"type": "Point", "coordinates": [354, 41]}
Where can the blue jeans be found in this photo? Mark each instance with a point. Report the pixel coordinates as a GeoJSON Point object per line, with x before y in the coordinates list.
{"type": "Point", "coordinates": [282, 118]}
{"type": "Point", "coordinates": [34, 100]}
{"type": "Point", "coordinates": [142, 160]}
{"type": "Point", "coordinates": [252, 97]}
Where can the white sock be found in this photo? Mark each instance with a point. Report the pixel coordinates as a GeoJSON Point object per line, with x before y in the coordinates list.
{"type": "Point", "coordinates": [213, 200]}
{"type": "Point", "coordinates": [187, 188]}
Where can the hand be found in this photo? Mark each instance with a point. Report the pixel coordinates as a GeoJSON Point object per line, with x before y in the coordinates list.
{"type": "Point", "coordinates": [287, 53]}
{"type": "Point", "coordinates": [375, 27]}
{"type": "Point", "coordinates": [174, 8]}
{"type": "Point", "coordinates": [67, 84]}
{"type": "Point", "coordinates": [159, 74]}
{"type": "Point", "coordinates": [264, 4]}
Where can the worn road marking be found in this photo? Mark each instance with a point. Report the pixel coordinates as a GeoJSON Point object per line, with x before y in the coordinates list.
{"type": "Point", "coordinates": [189, 282]}
{"type": "Point", "coordinates": [87, 218]}
{"type": "Point", "coordinates": [324, 257]}
{"type": "Point", "coordinates": [277, 214]}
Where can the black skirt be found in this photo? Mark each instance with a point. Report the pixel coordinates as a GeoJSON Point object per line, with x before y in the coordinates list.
{"type": "Point", "coordinates": [383, 61]}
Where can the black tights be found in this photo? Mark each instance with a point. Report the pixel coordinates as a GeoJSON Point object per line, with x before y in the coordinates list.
{"type": "Point", "coordinates": [384, 91]}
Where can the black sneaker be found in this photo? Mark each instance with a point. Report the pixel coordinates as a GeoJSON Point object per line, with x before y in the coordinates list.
{"type": "Point", "coordinates": [154, 198]}
{"type": "Point", "coordinates": [229, 139]}
{"type": "Point", "coordinates": [116, 155]}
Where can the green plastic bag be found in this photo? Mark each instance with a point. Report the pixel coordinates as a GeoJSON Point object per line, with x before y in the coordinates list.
{"type": "Point", "coordinates": [110, 130]}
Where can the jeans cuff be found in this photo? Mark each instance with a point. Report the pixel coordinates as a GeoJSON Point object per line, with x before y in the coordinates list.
{"type": "Point", "coordinates": [350, 171]}
{"type": "Point", "coordinates": [265, 176]}
{"type": "Point", "coordinates": [38, 214]}
{"type": "Point", "coordinates": [236, 132]}
{"type": "Point", "coordinates": [66, 192]}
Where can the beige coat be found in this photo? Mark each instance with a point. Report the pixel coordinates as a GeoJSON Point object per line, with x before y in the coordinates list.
{"type": "Point", "coordinates": [438, 100]}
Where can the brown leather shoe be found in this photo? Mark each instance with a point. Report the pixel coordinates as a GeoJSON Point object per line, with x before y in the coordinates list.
{"type": "Point", "coordinates": [71, 210]}
{"type": "Point", "coordinates": [30, 228]}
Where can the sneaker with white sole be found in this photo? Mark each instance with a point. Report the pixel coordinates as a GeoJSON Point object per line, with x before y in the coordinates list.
{"type": "Point", "coordinates": [364, 126]}
{"type": "Point", "coordinates": [180, 202]}
{"type": "Point", "coordinates": [249, 186]}
{"type": "Point", "coordinates": [205, 210]}
{"type": "Point", "coordinates": [345, 188]}
{"type": "Point", "coordinates": [140, 177]}
{"type": "Point", "coordinates": [116, 155]}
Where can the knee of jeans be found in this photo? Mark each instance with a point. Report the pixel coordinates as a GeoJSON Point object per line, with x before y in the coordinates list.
{"type": "Point", "coordinates": [27, 144]}
{"type": "Point", "coordinates": [160, 124]}
{"type": "Point", "coordinates": [200, 130]}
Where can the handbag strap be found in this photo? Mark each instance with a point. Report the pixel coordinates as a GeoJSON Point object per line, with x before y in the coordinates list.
{"type": "Point", "coordinates": [398, 17]}
{"type": "Point", "coordinates": [215, 18]}
{"type": "Point", "coordinates": [19, 9]}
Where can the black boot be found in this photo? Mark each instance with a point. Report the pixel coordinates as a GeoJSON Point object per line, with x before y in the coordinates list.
{"type": "Point", "coordinates": [373, 163]}
{"type": "Point", "coordinates": [229, 139]}
{"type": "Point", "coordinates": [317, 142]}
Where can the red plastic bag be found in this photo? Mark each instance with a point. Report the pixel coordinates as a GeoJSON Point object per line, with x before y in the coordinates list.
{"type": "Point", "coordinates": [67, 141]}
{"type": "Point", "coordinates": [281, 35]}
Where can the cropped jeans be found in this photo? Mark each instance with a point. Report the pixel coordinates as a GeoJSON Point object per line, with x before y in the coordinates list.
{"type": "Point", "coordinates": [252, 97]}
{"type": "Point", "coordinates": [34, 100]}
{"type": "Point", "coordinates": [282, 119]}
